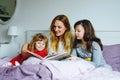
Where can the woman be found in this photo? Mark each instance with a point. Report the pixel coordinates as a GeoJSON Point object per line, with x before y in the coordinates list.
{"type": "Point", "coordinates": [60, 35]}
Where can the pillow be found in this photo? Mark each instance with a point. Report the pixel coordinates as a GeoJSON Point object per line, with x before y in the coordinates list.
{"type": "Point", "coordinates": [111, 54]}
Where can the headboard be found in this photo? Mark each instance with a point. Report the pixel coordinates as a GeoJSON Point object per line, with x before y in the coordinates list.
{"type": "Point", "coordinates": [31, 33]}
{"type": "Point", "coordinates": [107, 37]}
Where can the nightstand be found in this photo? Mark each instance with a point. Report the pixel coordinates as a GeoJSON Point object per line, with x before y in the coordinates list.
{"type": "Point", "coordinates": [9, 50]}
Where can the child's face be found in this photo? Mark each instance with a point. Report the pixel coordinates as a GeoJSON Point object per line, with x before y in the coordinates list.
{"type": "Point", "coordinates": [40, 45]}
{"type": "Point", "coordinates": [79, 32]}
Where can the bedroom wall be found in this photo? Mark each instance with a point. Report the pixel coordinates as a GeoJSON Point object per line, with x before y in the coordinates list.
{"type": "Point", "coordinates": [38, 14]}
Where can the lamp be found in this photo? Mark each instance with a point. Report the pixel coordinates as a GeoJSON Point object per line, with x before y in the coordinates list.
{"type": "Point", "coordinates": [13, 32]}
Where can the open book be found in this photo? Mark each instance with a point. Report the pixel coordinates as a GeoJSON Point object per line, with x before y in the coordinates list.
{"type": "Point", "coordinates": [50, 57]}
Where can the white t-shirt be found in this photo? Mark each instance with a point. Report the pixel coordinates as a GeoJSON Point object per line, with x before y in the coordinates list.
{"type": "Point", "coordinates": [60, 49]}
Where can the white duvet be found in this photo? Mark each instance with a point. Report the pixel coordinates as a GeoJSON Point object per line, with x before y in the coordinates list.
{"type": "Point", "coordinates": [77, 70]}
{"type": "Point", "coordinates": [102, 73]}
{"type": "Point", "coordinates": [68, 70]}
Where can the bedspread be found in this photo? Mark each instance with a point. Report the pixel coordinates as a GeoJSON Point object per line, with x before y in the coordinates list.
{"type": "Point", "coordinates": [80, 70]}
{"type": "Point", "coordinates": [34, 69]}
{"type": "Point", "coordinates": [68, 70]}
{"type": "Point", "coordinates": [25, 72]}
{"type": "Point", "coordinates": [102, 73]}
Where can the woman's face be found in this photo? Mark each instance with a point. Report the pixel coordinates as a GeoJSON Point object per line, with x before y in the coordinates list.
{"type": "Point", "coordinates": [40, 45]}
{"type": "Point", "coordinates": [79, 32]}
{"type": "Point", "coordinates": [59, 28]}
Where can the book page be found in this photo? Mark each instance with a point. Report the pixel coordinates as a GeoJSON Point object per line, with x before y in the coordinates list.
{"type": "Point", "coordinates": [58, 56]}
{"type": "Point", "coordinates": [36, 55]}
{"type": "Point", "coordinates": [49, 57]}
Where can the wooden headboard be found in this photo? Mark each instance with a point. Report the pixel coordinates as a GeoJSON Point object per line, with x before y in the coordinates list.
{"type": "Point", "coordinates": [107, 37]}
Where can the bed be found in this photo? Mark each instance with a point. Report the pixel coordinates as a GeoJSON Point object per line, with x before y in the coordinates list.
{"type": "Point", "coordinates": [67, 70]}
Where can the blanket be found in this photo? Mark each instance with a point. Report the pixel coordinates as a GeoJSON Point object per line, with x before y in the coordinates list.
{"type": "Point", "coordinates": [35, 69]}
{"type": "Point", "coordinates": [80, 70]}
{"type": "Point", "coordinates": [76, 70]}
{"type": "Point", "coordinates": [68, 70]}
{"type": "Point", "coordinates": [102, 73]}
{"type": "Point", "coordinates": [25, 72]}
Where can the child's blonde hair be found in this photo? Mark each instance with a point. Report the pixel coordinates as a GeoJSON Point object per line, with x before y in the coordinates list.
{"type": "Point", "coordinates": [38, 37]}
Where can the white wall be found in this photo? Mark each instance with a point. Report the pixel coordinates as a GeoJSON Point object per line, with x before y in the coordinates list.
{"type": "Point", "coordinates": [38, 14]}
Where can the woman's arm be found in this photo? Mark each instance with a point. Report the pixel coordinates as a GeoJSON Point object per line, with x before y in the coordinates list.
{"type": "Point", "coordinates": [74, 52]}
{"type": "Point", "coordinates": [73, 55]}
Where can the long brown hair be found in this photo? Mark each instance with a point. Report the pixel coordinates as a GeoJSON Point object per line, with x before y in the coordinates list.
{"type": "Point", "coordinates": [89, 35]}
{"type": "Point", "coordinates": [38, 37]}
{"type": "Point", "coordinates": [67, 37]}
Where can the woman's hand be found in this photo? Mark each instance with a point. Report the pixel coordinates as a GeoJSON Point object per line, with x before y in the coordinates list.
{"type": "Point", "coordinates": [72, 57]}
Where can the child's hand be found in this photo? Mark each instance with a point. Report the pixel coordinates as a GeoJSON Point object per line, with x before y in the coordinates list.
{"type": "Point", "coordinates": [7, 64]}
{"type": "Point", "coordinates": [72, 57]}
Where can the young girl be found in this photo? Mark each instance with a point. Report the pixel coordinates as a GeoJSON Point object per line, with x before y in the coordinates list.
{"type": "Point", "coordinates": [38, 45]}
{"type": "Point", "coordinates": [86, 45]}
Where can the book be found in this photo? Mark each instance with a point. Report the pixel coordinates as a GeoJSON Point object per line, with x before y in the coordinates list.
{"type": "Point", "coordinates": [34, 54]}
{"type": "Point", "coordinates": [50, 57]}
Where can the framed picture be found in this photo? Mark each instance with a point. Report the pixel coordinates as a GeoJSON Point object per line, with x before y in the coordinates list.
{"type": "Point", "coordinates": [7, 8]}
